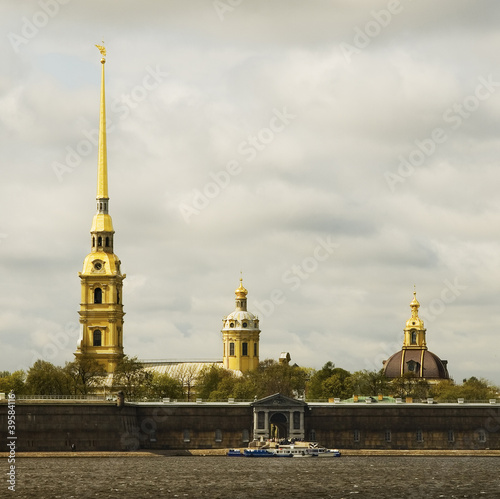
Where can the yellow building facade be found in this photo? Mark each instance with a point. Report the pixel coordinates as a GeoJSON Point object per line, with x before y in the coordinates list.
{"type": "Point", "coordinates": [101, 307]}
{"type": "Point", "coordinates": [240, 336]}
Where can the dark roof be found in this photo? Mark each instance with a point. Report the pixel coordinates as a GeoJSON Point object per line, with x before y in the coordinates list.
{"type": "Point", "coordinates": [432, 366]}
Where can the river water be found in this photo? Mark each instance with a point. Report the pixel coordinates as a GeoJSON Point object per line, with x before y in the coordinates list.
{"type": "Point", "coordinates": [239, 477]}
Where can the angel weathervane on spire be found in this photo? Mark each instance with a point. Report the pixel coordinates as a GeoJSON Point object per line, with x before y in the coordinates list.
{"type": "Point", "coordinates": [102, 50]}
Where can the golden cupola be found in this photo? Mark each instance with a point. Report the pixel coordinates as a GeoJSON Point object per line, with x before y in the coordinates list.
{"type": "Point", "coordinates": [415, 357]}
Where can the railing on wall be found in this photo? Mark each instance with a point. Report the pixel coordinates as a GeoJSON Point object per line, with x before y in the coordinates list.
{"type": "Point", "coordinates": [62, 397]}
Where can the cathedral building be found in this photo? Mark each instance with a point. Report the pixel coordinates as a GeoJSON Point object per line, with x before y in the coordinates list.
{"type": "Point", "coordinates": [101, 308]}
{"type": "Point", "coordinates": [414, 357]}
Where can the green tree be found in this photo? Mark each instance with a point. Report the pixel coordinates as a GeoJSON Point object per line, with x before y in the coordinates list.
{"type": "Point", "coordinates": [328, 382]}
{"type": "Point", "coordinates": [85, 374]}
{"type": "Point", "coordinates": [44, 378]}
{"type": "Point", "coordinates": [225, 389]}
{"type": "Point", "coordinates": [475, 389]}
{"type": "Point", "coordinates": [162, 386]}
{"type": "Point", "coordinates": [215, 383]}
{"type": "Point", "coordinates": [410, 385]}
{"type": "Point", "coordinates": [14, 382]}
{"type": "Point", "coordinates": [272, 377]}
{"type": "Point", "coordinates": [369, 383]}
{"type": "Point", "coordinates": [131, 377]}
{"type": "Point", "coordinates": [472, 389]}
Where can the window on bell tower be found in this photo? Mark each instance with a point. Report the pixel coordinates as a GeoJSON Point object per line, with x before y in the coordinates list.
{"type": "Point", "coordinates": [99, 241]}
{"type": "Point", "coordinates": [231, 348]}
{"type": "Point", "coordinates": [244, 349]}
{"type": "Point", "coordinates": [413, 339]}
{"type": "Point", "coordinates": [97, 338]}
{"type": "Point", "coordinates": [97, 295]}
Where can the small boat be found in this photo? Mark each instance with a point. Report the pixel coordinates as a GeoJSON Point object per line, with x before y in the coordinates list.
{"type": "Point", "coordinates": [258, 453]}
{"type": "Point", "coordinates": [290, 451]}
{"type": "Point", "coordinates": [306, 449]}
{"type": "Point", "coordinates": [323, 452]}
{"type": "Point", "coordinates": [295, 449]}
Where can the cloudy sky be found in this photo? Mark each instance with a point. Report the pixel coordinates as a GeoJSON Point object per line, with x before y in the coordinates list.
{"type": "Point", "coordinates": [337, 153]}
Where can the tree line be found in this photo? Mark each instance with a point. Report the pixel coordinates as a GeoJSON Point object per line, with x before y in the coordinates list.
{"type": "Point", "coordinates": [86, 376]}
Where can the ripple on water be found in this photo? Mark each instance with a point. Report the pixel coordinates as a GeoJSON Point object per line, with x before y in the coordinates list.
{"type": "Point", "coordinates": [235, 478]}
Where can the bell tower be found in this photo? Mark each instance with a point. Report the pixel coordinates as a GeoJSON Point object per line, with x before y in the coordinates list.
{"type": "Point", "coordinates": [414, 332]}
{"type": "Point", "coordinates": [101, 308]}
{"type": "Point", "coordinates": [240, 336]}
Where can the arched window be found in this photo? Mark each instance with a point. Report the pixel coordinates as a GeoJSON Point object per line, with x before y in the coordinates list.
{"type": "Point", "coordinates": [107, 241]}
{"type": "Point", "coordinates": [413, 337]}
{"type": "Point", "coordinates": [93, 242]}
{"type": "Point", "coordinates": [231, 348]}
{"type": "Point", "coordinates": [97, 338]}
{"type": "Point", "coordinates": [99, 241]}
{"type": "Point", "coordinates": [97, 295]}
{"type": "Point", "coordinates": [244, 349]}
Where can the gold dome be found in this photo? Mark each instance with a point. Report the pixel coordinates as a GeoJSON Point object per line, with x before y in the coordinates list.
{"type": "Point", "coordinates": [241, 292]}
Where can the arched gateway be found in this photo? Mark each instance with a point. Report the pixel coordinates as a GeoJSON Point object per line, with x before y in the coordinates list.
{"type": "Point", "coordinates": [278, 416]}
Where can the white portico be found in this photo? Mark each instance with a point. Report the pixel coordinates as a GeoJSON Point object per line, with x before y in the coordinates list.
{"type": "Point", "coordinates": [278, 417]}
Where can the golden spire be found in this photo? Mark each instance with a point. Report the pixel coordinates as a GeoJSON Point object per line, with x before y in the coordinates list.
{"type": "Point", "coordinates": [414, 305]}
{"type": "Point", "coordinates": [414, 320]}
{"type": "Point", "coordinates": [102, 220]}
{"type": "Point", "coordinates": [102, 164]}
